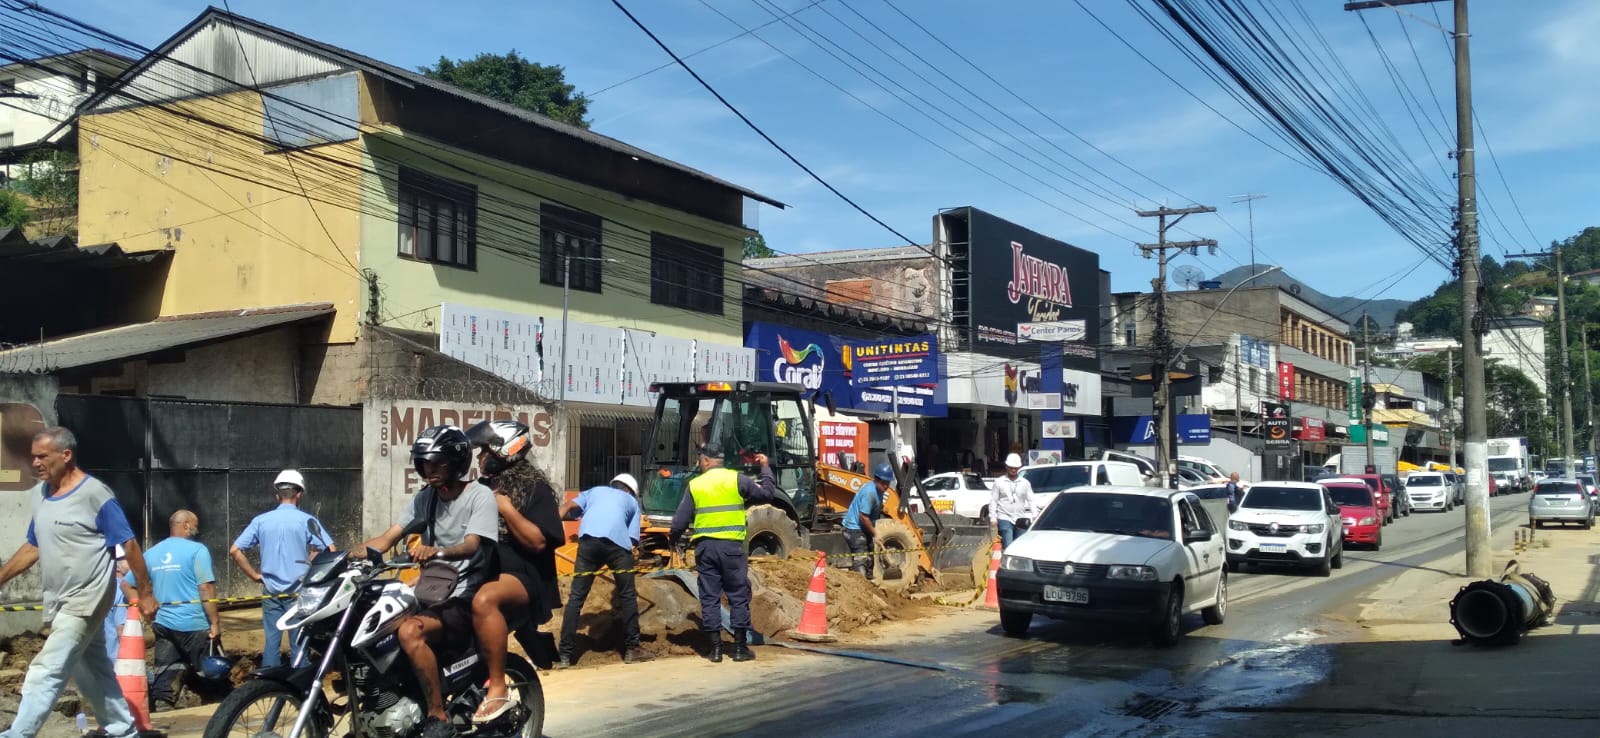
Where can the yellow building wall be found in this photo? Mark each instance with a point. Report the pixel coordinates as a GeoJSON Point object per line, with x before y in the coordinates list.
{"type": "Point", "coordinates": [507, 274]}
{"type": "Point", "coordinates": [241, 231]}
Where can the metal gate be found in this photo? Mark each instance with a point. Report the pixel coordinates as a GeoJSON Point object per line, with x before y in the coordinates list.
{"type": "Point", "coordinates": [218, 459]}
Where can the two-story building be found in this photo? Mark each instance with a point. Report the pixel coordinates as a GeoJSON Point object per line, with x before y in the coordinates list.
{"type": "Point", "coordinates": [39, 100]}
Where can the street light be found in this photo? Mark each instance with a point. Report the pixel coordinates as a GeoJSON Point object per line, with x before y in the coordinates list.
{"type": "Point", "coordinates": [1167, 439]}
{"type": "Point", "coordinates": [566, 297]}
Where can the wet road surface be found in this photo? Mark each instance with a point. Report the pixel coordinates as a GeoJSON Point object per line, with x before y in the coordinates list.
{"type": "Point", "coordinates": [960, 675]}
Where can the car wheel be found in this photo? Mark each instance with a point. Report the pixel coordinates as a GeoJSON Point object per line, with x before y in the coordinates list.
{"type": "Point", "coordinates": [1324, 567]}
{"type": "Point", "coordinates": [1015, 623]}
{"type": "Point", "coordinates": [1588, 524]}
{"type": "Point", "coordinates": [1377, 544]}
{"type": "Point", "coordinates": [1338, 558]}
{"type": "Point", "coordinates": [983, 516]}
{"type": "Point", "coordinates": [1215, 614]}
{"type": "Point", "coordinates": [1167, 632]}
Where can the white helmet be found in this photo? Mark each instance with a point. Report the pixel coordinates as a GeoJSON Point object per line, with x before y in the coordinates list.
{"type": "Point", "coordinates": [627, 479]}
{"type": "Point", "coordinates": [1013, 461]}
{"type": "Point", "coordinates": [290, 476]}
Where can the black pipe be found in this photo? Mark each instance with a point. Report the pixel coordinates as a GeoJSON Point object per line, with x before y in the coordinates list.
{"type": "Point", "coordinates": [1498, 613]}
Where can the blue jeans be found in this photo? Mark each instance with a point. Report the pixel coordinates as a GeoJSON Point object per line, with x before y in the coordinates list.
{"type": "Point", "coordinates": [76, 648]}
{"type": "Point", "coordinates": [1008, 533]}
{"type": "Point", "coordinates": [271, 611]}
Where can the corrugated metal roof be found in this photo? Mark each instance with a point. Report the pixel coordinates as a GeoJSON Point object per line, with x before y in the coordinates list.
{"type": "Point", "coordinates": [130, 341]}
{"type": "Point", "coordinates": [286, 54]}
{"type": "Point", "coordinates": [15, 248]}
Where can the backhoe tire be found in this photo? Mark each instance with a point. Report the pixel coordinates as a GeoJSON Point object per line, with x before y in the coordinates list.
{"type": "Point", "coordinates": [769, 531]}
{"type": "Point", "coordinates": [893, 537]}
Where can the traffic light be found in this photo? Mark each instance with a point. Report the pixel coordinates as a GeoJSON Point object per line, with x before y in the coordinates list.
{"type": "Point", "coordinates": [1369, 398]}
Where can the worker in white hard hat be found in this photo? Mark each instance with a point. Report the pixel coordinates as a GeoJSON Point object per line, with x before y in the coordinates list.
{"type": "Point", "coordinates": [606, 536]}
{"type": "Point", "coordinates": [1011, 507]}
{"type": "Point", "coordinates": [286, 536]}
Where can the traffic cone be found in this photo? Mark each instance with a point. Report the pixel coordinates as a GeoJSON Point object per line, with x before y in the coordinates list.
{"type": "Point", "coordinates": [130, 670]}
{"type": "Point", "coordinates": [814, 617]}
{"type": "Point", "coordinates": [991, 597]}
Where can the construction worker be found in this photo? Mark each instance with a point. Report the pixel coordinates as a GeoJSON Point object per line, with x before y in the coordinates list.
{"type": "Point", "coordinates": [180, 572]}
{"type": "Point", "coordinates": [1011, 505]}
{"type": "Point", "coordinates": [860, 520]}
{"type": "Point", "coordinates": [714, 507]}
{"type": "Point", "coordinates": [606, 537]}
{"type": "Point", "coordinates": [287, 535]}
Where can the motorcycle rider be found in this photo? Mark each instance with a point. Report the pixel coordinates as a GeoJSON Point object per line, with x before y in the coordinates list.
{"type": "Point", "coordinates": [525, 593]}
{"type": "Point", "coordinates": [457, 523]}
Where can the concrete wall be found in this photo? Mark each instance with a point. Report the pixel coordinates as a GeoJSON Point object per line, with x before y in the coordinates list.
{"type": "Point", "coordinates": [27, 406]}
{"type": "Point", "coordinates": [899, 282]}
{"type": "Point", "coordinates": [1521, 348]}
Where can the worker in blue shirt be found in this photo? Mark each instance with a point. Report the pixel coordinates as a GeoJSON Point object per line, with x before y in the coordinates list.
{"type": "Point", "coordinates": [181, 575]}
{"type": "Point", "coordinates": [286, 536]}
{"type": "Point", "coordinates": [606, 536]}
{"type": "Point", "coordinates": [860, 520]}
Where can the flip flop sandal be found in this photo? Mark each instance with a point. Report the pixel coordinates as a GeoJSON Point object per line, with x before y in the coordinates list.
{"type": "Point", "coordinates": [505, 705]}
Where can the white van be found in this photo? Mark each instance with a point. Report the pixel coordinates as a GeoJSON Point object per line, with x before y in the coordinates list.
{"type": "Point", "coordinates": [1048, 480]}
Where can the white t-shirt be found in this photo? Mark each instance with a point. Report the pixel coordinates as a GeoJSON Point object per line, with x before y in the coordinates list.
{"type": "Point", "coordinates": [1011, 500]}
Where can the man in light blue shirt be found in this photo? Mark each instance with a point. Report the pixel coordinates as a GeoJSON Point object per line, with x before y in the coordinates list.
{"type": "Point", "coordinates": [180, 572]}
{"type": "Point", "coordinates": [286, 536]}
{"type": "Point", "coordinates": [860, 520]}
{"type": "Point", "coordinates": [606, 537]}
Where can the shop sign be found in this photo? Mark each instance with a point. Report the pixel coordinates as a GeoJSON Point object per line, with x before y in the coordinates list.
{"type": "Point", "coordinates": [1277, 422]}
{"type": "Point", "coordinates": [864, 375]}
{"type": "Point", "coordinates": [1313, 429]}
{"type": "Point", "coordinates": [1025, 287]}
{"type": "Point", "coordinates": [1192, 430]}
{"type": "Point", "coordinates": [842, 437]}
{"type": "Point", "coordinates": [1285, 380]}
{"type": "Point", "coordinates": [1060, 428]}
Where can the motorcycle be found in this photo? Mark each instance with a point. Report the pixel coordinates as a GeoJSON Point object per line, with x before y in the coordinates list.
{"type": "Point", "coordinates": [348, 612]}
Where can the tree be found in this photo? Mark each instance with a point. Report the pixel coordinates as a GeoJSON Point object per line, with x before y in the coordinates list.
{"type": "Point", "coordinates": [1371, 328]}
{"type": "Point", "coordinates": [13, 211]}
{"type": "Point", "coordinates": [49, 180]}
{"type": "Point", "coordinates": [755, 247]}
{"type": "Point", "coordinates": [512, 79]}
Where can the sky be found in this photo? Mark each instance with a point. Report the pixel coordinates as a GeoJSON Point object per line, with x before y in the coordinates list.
{"type": "Point", "coordinates": [1047, 78]}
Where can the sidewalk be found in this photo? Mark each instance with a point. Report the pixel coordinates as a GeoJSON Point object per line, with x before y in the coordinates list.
{"type": "Point", "coordinates": [1396, 672]}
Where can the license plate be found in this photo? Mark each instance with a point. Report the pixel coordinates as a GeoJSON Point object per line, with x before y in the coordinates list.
{"type": "Point", "coordinates": [944, 505]}
{"type": "Point", "coordinates": [1557, 502]}
{"type": "Point", "coordinates": [1069, 595]}
{"type": "Point", "coordinates": [1274, 547]}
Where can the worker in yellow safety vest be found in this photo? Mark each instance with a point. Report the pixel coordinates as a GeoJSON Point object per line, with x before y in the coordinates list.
{"type": "Point", "coordinates": [714, 507]}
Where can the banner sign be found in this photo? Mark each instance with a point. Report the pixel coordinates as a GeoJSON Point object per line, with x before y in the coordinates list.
{"type": "Point", "coordinates": [1355, 399]}
{"type": "Point", "coordinates": [1255, 352]}
{"type": "Point", "coordinates": [1019, 278]}
{"type": "Point", "coordinates": [1192, 429]}
{"type": "Point", "coordinates": [1312, 429]}
{"type": "Point", "coordinates": [1277, 423]}
{"type": "Point", "coordinates": [1285, 380]}
{"type": "Point", "coordinates": [1061, 428]}
{"type": "Point", "coordinates": [853, 370]}
{"type": "Point", "coordinates": [836, 437]}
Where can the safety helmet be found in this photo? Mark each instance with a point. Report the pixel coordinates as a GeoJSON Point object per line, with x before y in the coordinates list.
{"type": "Point", "coordinates": [290, 476]}
{"type": "Point", "coordinates": [627, 479]}
{"type": "Point", "coordinates": [505, 443]}
{"type": "Point", "coordinates": [216, 666]}
{"type": "Point", "coordinates": [445, 443]}
{"type": "Point", "coordinates": [1013, 461]}
{"type": "Point", "coordinates": [883, 472]}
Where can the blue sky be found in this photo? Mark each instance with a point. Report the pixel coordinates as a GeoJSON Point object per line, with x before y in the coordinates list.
{"type": "Point", "coordinates": [1534, 69]}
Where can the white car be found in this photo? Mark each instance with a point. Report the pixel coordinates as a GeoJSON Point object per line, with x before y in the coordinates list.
{"type": "Point", "coordinates": [1287, 523]}
{"type": "Point", "coordinates": [1116, 554]}
{"type": "Point", "coordinates": [1429, 491]}
{"type": "Point", "coordinates": [1048, 480]}
{"type": "Point", "coordinates": [956, 493]}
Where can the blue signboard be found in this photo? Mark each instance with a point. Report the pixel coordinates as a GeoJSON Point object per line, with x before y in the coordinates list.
{"type": "Point", "coordinates": [1192, 430]}
{"type": "Point", "coordinates": [861, 374]}
{"type": "Point", "coordinates": [1255, 352]}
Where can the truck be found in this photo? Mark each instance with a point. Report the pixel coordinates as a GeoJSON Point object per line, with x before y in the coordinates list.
{"type": "Point", "coordinates": [1509, 463]}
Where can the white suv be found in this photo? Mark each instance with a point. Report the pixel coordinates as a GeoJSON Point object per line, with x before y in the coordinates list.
{"type": "Point", "coordinates": [1286, 523]}
{"type": "Point", "coordinates": [1430, 491]}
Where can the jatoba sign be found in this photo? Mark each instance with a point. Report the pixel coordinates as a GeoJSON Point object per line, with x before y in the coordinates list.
{"type": "Point", "coordinates": [1019, 281]}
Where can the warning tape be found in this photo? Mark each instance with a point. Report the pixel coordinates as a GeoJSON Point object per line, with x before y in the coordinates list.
{"type": "Point", "coordinates": [830, 557]}
{"type": "Point", "coordinates": [218, 600]}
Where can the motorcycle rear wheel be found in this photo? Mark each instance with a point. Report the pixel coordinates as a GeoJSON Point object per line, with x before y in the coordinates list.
{"type": "Point", "coordinates": [262, 709]}
{"type": "Point", "coordinates": [524, 681]}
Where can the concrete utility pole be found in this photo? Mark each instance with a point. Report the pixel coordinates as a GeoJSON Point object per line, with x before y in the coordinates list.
{"type": "Point", "coordinates": [1238, 379]}
{"type": "Point", "coordinates": [1474, 420]}
{"type": "Point", "coordinates": [1366, 387]}
{"type": "Point", "coordinates": [1588, 385]}
{"type": "Point", "coordinates": [1161, 417]}
{"type": "Point", "coordinates": [1567, 429]}
{"type": "Point", "coordinates": [1249, 199]}
{"type": "Point", "coordinates": [1450, 402]}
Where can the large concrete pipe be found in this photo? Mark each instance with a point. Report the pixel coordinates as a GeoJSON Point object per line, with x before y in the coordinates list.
{"type": "Point", "coordinates": [1490, 612]}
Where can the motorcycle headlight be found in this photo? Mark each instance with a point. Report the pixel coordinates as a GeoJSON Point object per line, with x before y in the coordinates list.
{"type": "Point", "coordinates": [1312, 528]}
{"type": "Point", "coordinates": [1016, 563]}
{"type": "Point", "coordinates": [1237, 525]}
{"type": "Point", "coordinates": [1133, 573]}
{"type": "Point", "coordinates": [312, 598]}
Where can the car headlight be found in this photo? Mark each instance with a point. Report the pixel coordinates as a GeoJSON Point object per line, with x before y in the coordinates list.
{"type": "Point", "coordinates": [1016, 563]}
{"type": "Point", "coordinates": [1237, 525]}
{"type": "Point", "coordinates": [1312, 528]}
{"type": "Point", "coordinates": [1134, 573]}
{"type": "Point", "coordinates": [1369, 520]}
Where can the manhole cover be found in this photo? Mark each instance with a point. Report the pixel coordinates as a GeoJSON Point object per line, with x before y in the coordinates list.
{"type": "Point", "coordinates": [1150, 708]}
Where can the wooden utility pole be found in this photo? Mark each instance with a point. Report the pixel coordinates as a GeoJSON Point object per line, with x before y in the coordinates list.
{"type": "Point", "coordinates": [1161, 416]}
{"type": "Point", "coordinates": [1474, 420]}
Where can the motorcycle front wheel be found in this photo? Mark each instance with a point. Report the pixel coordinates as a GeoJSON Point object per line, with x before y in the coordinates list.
{"type": "Point", "coordinates": [262, 709]}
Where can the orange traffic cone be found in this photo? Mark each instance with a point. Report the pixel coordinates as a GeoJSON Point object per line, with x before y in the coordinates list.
{"type": "Point", "coordinates": [130, 670]}
{"type": "Point", "coordinates": [991, 597]}
{"type": "Point", "coordinates": [814, 617]}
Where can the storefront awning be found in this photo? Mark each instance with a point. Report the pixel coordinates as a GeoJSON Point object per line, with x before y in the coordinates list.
{"type": "Point", "coordinates": [1405, 416]}
{"type": "Point", "coordinates": [586, 413]}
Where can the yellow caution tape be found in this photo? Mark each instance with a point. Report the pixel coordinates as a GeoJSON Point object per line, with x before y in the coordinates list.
{"type": "Point", "coordinates": [219, 600]}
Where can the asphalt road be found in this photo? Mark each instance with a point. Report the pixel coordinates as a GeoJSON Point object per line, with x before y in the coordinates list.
{"type": "Point", "coordinates": [960, 675]}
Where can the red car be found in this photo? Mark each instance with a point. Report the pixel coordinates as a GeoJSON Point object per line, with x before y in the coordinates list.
{"type": "Point", "coordinates": [1381, 489]}
{"type": "Point", "coordinates": [1358, 510]}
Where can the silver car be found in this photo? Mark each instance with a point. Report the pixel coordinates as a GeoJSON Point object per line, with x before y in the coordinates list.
{"type": "Point", "coordinates": [1560, 501]}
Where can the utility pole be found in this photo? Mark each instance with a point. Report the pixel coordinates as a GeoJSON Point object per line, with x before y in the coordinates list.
{"type": "Point", "coordinates": [1238, 379]}
{"type": "Point", "coordinates": [1450, 402]}
{"type": "Point", "coordinates": [566, 298]}
{"type": "Point", "coordinates": [1567, 429]}
{"type": "Point", "coordinates": [1474, 421]}
{"type": "Point", "coordinates": [1588, 386]}
{"type": "Point", "coordinates": [1161, 371]}
{"type": "Point", "coordinates": [1249, 199]}
{"type": "Point", "coordinates": [1366, 387]}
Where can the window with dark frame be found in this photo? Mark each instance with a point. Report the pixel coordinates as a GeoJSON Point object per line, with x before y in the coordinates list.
{"type": "Point", "coordinates": [438, 220]}
{"type": "Point", "coordinates": [563, 232]}
{"type": "Point", "coordinates": [685, 274]}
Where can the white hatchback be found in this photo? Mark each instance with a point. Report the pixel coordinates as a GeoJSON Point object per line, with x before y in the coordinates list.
{"type": "Point", "coordinates": [1116, 554]}
{"type": "Point", "coordinates": [956, 493]}
{"type": "Point", "coordinates": [1287, 523]}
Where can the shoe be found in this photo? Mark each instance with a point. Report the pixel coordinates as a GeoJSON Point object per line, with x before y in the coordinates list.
{"type": "Point", "coordinates": [433, 727]}
{"type": "Point", "coordinates": [634, 655]}
{"type": "Point", "coordinates": [565, 662]}
{"type": "Point", "coordinates": [162, 706]}
{"type": "Point", "coordinates": [741, 646]}
{"type": "Point", "coordinates": [714, 655]}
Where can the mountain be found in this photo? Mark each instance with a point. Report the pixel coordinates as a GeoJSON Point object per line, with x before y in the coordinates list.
{"type": "Point", "coordinates": [1347, 309]}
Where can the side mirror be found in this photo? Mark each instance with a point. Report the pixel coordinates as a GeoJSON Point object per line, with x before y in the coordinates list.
{"type": "Point", "coordinates": [1197, 536]}
{"type": "Point", "coordinates": [374, 555]}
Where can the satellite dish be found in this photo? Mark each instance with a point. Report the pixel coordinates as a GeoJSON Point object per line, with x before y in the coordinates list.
{"type": "Point", "coordinates": [1294, 289]}
{"type": "Point", "coordinates": [1189, 276]}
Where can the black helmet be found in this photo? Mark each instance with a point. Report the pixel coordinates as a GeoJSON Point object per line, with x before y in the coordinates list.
{"type": "Point", "coordinates": [445, 443]}
{"type": "Point", "coordinates": [505, 442]}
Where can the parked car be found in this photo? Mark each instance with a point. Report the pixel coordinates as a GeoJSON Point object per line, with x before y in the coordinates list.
{"type": "Point", "coordinates": [1430, 491]}
{"type": "Point", "coordinates": [956, 493]}
{"type": "Point", "coordinates": [1560, 501]}
{"type": "Point", "coordinates": [1358, 511]}
{"type": "Point", "coordinates": [1459, 486]}
{"type": "Point", "coordinates": [1190, 478]}
{"type": "Point", "coordinates": [1116, 554]}
{"type": "Point", "coordinates": [1397, 488]}
{"type": "Point", "coordinates": [1286, 523]}
{"type": "Point", "coordinates": [1048, 480]}
{"type": "Point", "coordinates": [1214, 498]}
{"type": "Point", "coordinates": [1587, 480]}
{"type": "Point", "coordinates": [1380, 490]}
